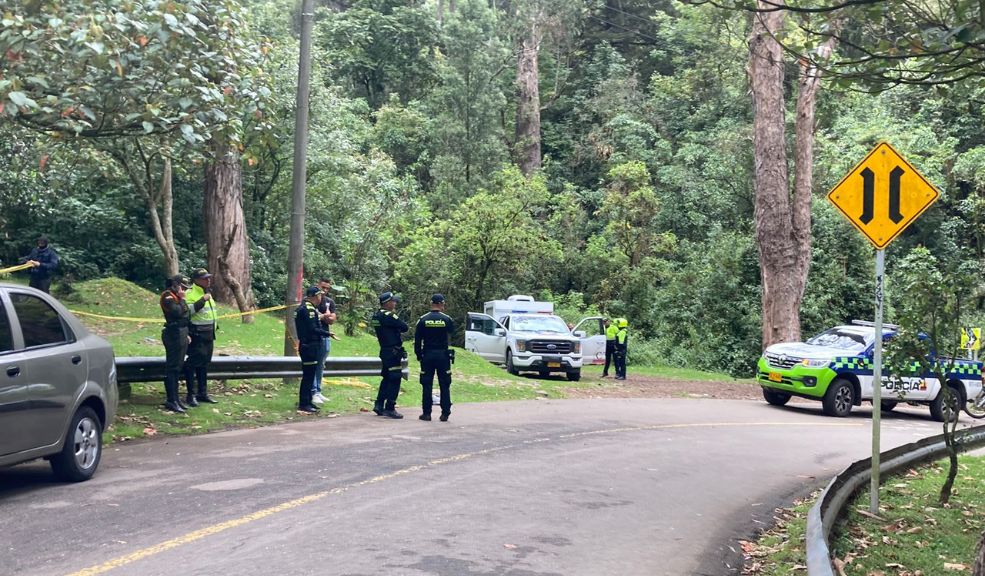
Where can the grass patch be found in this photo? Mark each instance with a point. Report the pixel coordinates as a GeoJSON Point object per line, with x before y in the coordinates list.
{"type": "Point", "coordinates": [913, 535]}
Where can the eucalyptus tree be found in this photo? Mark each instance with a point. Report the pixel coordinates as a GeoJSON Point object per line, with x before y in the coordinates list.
{"type": "Point", "coordinates": [145, 81]}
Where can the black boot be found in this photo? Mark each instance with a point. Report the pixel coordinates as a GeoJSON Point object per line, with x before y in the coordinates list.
{"type": "Point", "coordinates": [378, 408]}
{"type": "Point", "coordinates": [425, 417]}
{"type": "Point", "coordinates": [191, 401]}
{"type": "Point", "coordinates": [171, 391]}
{"type": "Point", "coordinates": [444, 416]}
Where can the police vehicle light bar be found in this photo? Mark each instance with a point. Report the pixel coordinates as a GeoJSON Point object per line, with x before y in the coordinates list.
{"type": "Point", "coordinates": [873, 324]}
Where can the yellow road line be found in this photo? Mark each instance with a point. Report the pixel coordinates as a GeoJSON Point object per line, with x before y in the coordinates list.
{"type": "Point", "coordinates": [289, 505]}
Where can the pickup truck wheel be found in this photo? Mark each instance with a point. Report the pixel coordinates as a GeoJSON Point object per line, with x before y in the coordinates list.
{"type": "Point", "coordinates": [775, 398]}
{"type": "Point", "coordinates": [888, 405]}
{"type": "Point", "coordinates": [939, 411]}
{"type": "Point", "coordinates": [574, 375]}
{"type": "Point", "coordinates": [839, 398]}
{"type": "Point", "coordinates": [509, 364]}
{"type": "Point", "coordinates": [80, 454]}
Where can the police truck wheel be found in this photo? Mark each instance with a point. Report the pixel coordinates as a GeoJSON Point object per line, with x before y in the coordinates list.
{"type": "Point", "coordinates": [939, 411]}
{"type": "Point", "coordinates": [775, 398]}
{"type": "Point", "coordinates": [574, 375]}
{"type": "Point", "coordinates": [80, 454]}
{"type": "Point", "coordinates": [888, 405]}
{"type": "Point", "coordinates": [839, 398]}
{"type": "Point", "coordinates": [509, 364]}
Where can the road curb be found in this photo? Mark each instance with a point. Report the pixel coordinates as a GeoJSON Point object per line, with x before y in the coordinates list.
{"type": "Point", "coordinates": [831, 503]}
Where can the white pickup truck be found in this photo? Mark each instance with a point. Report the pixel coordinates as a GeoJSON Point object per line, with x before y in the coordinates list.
{"type": "Point", "coordinates": [525, 335]}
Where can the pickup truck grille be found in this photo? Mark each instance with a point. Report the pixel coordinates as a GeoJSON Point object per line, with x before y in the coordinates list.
{"type": "Point", "coordinates": [781, 360]}
{"type": "Point", "coordinates": [550, 347]}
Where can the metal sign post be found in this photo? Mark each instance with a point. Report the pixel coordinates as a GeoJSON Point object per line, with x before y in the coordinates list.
{"type": "Point", "coordinates": [877, 384]}
{"type": "Point", "coordinates": [881, 196]}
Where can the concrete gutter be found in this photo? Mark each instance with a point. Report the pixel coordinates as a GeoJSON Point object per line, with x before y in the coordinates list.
{"type": "Point", "coordinates": [842, 487]}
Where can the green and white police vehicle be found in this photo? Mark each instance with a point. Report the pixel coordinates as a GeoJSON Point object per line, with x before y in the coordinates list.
{"type": "Point", "coordinates": [836, 368]}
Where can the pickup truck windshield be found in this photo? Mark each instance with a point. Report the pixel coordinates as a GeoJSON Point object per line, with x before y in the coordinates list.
{"type": "Point", "coordinates": [848, 340]}
{"type": "Point", "coordinates": [538, 324]}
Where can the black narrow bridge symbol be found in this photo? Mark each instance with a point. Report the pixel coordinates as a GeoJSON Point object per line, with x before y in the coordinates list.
{"type": "Point", "coordinates": [869, 195]}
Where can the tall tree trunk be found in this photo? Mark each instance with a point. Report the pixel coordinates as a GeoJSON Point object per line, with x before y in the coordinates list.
{"type": "Point", "coordinates": [142, 178]}
{"type": "Point", "coordinates": [528, 100]}
{"type": "Point", "coordinates": [228, 247]}
{"type": "Point", "coordinates": [979, 569]}
{"type": "Point", "coordinates": [783, 220]}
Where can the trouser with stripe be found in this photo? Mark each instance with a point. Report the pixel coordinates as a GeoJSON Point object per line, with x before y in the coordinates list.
{"type": "Point", "coordinates": [435, 362]}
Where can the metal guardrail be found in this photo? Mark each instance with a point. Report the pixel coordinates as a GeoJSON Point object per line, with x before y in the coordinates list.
{"type": "Point", "coordinates": [130, 369]}
{"type": "Point", "coordinates": [831, 503]}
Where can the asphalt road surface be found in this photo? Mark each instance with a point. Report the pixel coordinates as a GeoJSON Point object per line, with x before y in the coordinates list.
{"type": "Point", "coordinates": [539, 488]}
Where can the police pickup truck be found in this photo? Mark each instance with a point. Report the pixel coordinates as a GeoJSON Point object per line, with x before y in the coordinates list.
{"type": "Point", "coordinates": [836, 367]}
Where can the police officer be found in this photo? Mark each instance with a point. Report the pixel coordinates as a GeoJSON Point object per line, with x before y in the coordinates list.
{"type": "Point", "coordinates": [431, 338]}
{"type": "Point", "coordinates": [388, 327]}
{"type": "Point", "coordinates": [202, 332]}
{"type": "Point", "coordinates": [175, 338]}
{"type": "Point", "coordinates": [610, 344]}
{"type": "Point", "coordinates": [310, 334]}
{"type": "Point", "coordinates": [622, 335]}
{"type": "Point", "coordinates": [44, 261]}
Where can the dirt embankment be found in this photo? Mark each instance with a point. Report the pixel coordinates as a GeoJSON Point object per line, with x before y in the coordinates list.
{"type": "Point", "coordinates": [640, 386]}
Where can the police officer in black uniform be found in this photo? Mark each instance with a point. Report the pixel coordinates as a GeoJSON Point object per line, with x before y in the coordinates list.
{"type": "Point", "coordinates": [388, 327]}
{"type": "Point", "coordinates": [310, 334]}
{"type": "Point", "coordinates": [431, 338]}
{"type": "Point", "coordinates": [175, 337]}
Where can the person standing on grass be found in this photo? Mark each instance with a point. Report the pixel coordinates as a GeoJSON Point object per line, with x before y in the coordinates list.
{"type": "Point", "coordinates": [622, 347]}
{"type": "Point", "coordinates": [175, 338]}
{"type": "Point", "coordinates": [388, 327]}
{"type": "Point", "coordinates": [202, 333]}
{"type": "Point", "coordinates": [327, 316]}
{"type": "Point", "coordinates": [610, 344]}
{"type": "Point", "coordinates": [44, 261]}
{"type": "Point", "coordinates": [310, 334]}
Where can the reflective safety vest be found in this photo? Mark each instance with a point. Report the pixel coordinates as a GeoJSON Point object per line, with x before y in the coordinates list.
{"type": "Point", "coordinates": [207, 315]}
{"type": "Point", "coordinates": [610, 332]}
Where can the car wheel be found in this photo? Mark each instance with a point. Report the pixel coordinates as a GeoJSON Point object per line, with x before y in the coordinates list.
{"type": "Point", "coordinates": [888, 405]}
{"type": "Point", "coordinates": [939, 410]}
{"type": "Point", "coordinates": [574, 375]}
{"type": "Point", "coordinates": [509, 364]}
{"type": "Point", "coordinates": [839, 398]}
{"type": "Point", "coordinates": [82, 450]}
{"type": "Point", "coordinates": [775, 398]}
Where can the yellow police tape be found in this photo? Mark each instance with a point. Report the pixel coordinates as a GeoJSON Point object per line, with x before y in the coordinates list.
{"type": "Point", "coordinates": [129, 319]}
{"type": "Point", "coordinates": [15, 268]}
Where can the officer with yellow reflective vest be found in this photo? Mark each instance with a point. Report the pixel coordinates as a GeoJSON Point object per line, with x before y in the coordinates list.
{"type": "Point", "coordinates": [610, 344]}
{"type": "Point", "coordinates": [310, 333]}
{"type": "Point", "coordinates": [389, 327]}
{"type": "Point", "coordinates": [202, 332]}
{"type": "Point", "coordinates": [431, 338]}
{"type": "Point", "coordinates": [175, 338]}
{"type": "Point", "coordinates": [621, 348]}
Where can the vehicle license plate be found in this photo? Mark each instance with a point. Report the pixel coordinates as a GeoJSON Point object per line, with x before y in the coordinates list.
{"type": "Point", "coordinates": [775, 377]}
{"type": "Point", "coordinates": [553, 364]}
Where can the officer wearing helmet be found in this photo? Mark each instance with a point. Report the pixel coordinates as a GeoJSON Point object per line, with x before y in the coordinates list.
{"type": "Point", "coordinates": [175, 337]}
{"type": "Point", "coordinates": [622, 334]}
{"type": "Point", "coordinates": [388, 327]}
{"type": "Point", "coordinates": [431, 337]}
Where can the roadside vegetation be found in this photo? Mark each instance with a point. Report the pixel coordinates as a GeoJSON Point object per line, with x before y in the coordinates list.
{"type": "Point", "coordinates": [269, 401]}
{"type": "Point", "coordinates": [913, 535]}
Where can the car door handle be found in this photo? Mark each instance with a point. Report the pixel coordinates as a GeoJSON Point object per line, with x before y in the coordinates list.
{"type": "Point", "coordinates": [76, 359]}
{"type": "Point", "coordinates": [13, 371]}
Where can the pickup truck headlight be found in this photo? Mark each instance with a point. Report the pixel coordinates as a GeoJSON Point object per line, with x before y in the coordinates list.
{"type": "Point", "coordinates": [521, 345]}
{"type": "Point", "coordinates": [576, 347]}
{"type": "Point", "coordinates": [815, 363]}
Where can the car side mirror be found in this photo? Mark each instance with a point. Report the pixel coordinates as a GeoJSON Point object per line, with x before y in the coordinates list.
{"type": "Point", "coordinates": [499, 332]}
{"type": "Point", "coordinates": [580, 333]}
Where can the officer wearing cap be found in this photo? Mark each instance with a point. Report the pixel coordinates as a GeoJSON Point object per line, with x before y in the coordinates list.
{"type": "Point", "coordinates": [388, 327]}
{"type": "Point", "coordinates": [610, 344]}
{"type": "Point", "coordinates": [431, 338]}
{"type": "Point", "coordinates": [202, 333]}
{"type": "Point", "coordinates": [621, 349]}
{"type": "Point", "coordinates": [310, 335]}
{"type": "Point", "coordinates": [175, 338]}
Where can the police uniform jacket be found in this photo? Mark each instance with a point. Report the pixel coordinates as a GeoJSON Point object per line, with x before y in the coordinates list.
{"type": "Point", "coordinates": [176, 313]}
{"type": "Point", "coordinates": [203, 313]}
{"type": "Point", "coordinates": [622, 337]}
{"type": "Point", "coordinates": [388, 327]}
{"type": "Point", "coordinates": [306, 323]}
{"type": "Point", "coordinates": [433, 332]}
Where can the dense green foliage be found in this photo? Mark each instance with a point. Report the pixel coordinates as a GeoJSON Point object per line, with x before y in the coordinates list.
{"type": "Point", "coordinates": [644, 206]}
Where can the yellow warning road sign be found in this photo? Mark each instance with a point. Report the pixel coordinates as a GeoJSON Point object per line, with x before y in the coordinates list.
{"type": "Point", "coordinates": [971, 338]}
{"type": "Point", "coordinates": [883, 195]}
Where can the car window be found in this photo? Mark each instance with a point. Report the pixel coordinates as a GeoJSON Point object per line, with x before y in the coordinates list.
{"type": "Point", "coordinates": [849, 341]}
{"type": "Point", "coordinates": [539, 324]}
{"type": "Point", "coordinates": [40, 324]}
{"type": "Point", "coordinates": [6, 334]}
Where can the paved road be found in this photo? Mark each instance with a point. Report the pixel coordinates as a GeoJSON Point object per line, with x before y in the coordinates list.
{"type": "Point", "coordinates": [540, 488]}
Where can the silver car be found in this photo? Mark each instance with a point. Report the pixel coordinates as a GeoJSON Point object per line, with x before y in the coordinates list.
{"type": "Point", "coordinates": [57, 385]}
